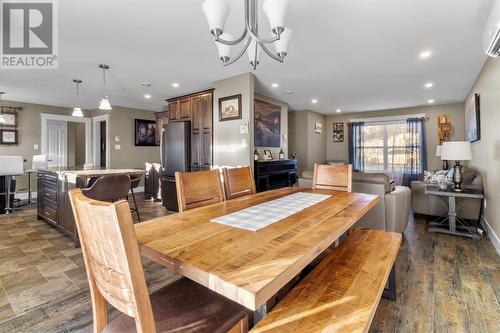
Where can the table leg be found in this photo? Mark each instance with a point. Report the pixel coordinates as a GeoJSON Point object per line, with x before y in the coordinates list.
{"type": "Point", "coordinates": [391, 293]}
{"type": "Point", "coordinates": [29, 188]}
{"type": "Point", "coordinates": [452, 214]}
{"type": "Point", "coordinates": [259, 314]}
{"type": "Point", "coordinates": [7, 195]}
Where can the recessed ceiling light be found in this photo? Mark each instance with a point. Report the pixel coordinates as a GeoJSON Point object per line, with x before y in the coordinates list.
{"type": "Point", "coordinates": [429, 85]}
{"type": "Point", "coordinates": [146, 84]}
{"type": "Point", "coordinates": [147, 96]}
{"type": "Point", "coordinates": [275, 85]}
{"type": "Point", "coordinates": [314, 101]}
{"type": "Point", "coordinates": [288, 92]}
{"type": "Point", "coordinates": [425, 54]}
{"type": "Point", "coordinates": [338, 110]}
{"type": "Point", "coordinates": [430, 101]}
{"type": "Point", "coordinates": [175, 85]}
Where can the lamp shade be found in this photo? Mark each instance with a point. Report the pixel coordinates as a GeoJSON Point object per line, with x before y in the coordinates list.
{"type": "Point", "coordinates": [224, 50]}
{"type": "Point", "coordinates": [104, 104]}
{"type": "Point", "coordinates": [275, 11]}
{"type": "Point", "coordinates": [216, 12]}
{"type": "Point", "coordinates": [456, 151]}
{"type": "Point", "coordinates": [253, 52]}
{"type": "Point", "coordinates": [77, 112]}
{"type": "Point", "coordinates": [282, 44]}
{"type": "Point", "coordinates": [439, 148]}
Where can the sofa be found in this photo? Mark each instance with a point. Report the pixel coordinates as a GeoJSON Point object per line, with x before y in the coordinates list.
{"type": "Point", "coordinates": [393, 210]}
{"type": "Point", "coordinates": [434, 206]}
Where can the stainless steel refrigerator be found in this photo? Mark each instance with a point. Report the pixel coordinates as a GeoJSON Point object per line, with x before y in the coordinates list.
{"type": "Point", "coordinates": [175, 149]}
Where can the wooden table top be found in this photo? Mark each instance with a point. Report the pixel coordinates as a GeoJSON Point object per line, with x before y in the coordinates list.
{"type": "Point", "coordinates": [249, 267]}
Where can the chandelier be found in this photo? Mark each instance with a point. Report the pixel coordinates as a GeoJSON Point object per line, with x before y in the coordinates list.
{"type": "Point", "coordinates": [217, 11]}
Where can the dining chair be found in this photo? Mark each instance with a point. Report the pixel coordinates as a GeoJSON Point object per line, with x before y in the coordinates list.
{"type": "Point", "coordinates": [196, 189]}
{"type": "Point", "coordinates": [332, 177]}
{"type": "Point", "coordinates": [116, 276]}
{"type": "Point", "coordinates": [134, 183]}
{"type": "Point", "coordinates": [238, 182]}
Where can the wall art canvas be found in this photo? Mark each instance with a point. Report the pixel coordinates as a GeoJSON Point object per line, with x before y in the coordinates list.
{"type": "Point", "coordinates": [267, 124]}
{"type": "Point", "coordinates": [318, 128]}
{"type": "Point", "coordinates": [8, 137]}
{"type": "Point", "coordinates": [230, 108]}
{"type": "Point", "coordinates": [472, 120]}
{"type": "Point", "coordinates": [338, 132]}
{"type": "Point", "coordinates": [145, 132]}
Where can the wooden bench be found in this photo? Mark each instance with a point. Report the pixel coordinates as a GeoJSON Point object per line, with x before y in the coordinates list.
{"type": "Point", "coordinates": [342, 293]}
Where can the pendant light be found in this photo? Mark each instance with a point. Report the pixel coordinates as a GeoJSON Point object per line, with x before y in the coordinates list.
{"type": "Point", "coordinates": [77, 110]}
{"type": "Point", "coordinates": [104, 104]}
{"type": "Point", "coordinates": [2, 118]}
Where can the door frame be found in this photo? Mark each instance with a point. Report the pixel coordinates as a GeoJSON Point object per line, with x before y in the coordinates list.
{"type": "Point", "coordinates": [88, 131]}
{"type": "Point", "coordinates": [96, 122]}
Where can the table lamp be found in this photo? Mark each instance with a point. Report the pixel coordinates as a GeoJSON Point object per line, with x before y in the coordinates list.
{"type": "Point", "coordinates": [438, 154]}
{"type": "Point", "coordinates": [457, 151]}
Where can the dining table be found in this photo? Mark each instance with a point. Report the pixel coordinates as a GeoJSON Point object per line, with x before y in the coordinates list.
{"type": "Point", "coordinates": [250, 267]}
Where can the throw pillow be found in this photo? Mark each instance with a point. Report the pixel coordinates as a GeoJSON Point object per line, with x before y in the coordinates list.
{"type": "Point", "coordinates": [437, 177]}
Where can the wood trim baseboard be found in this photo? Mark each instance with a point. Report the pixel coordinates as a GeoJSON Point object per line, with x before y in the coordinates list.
{"type": "Point", "coordinates": [492, 236]}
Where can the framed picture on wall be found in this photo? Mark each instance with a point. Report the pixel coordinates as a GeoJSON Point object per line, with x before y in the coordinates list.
{"type": "Point", "coordinates": [230, 108]}
{"type": "Point", "coordinates": [267, 124]}
{"type": "Point", "coordinates": [472, 119]}
{"type": "Point", "coordinates": [318, 128]}
{"type": "Point", "coordinates": [10, 118]}
{"type": "Point", "coordinates": [145, 132]}
{"type": "Point", "coordinates": [338, 132]}
{"type": "Point", "coordinates": [8, 137]}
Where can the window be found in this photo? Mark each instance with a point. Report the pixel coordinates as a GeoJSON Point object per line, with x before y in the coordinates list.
{"type": "Point", "coordinates": [384, 147]}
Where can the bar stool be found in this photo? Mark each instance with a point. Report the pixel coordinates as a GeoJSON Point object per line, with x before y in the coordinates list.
{"type": "Point", "coordinates": [10, 167]}
{"type": "Point", "coordinates": [134, 183]}
{"type": "Point", "coordinates": [108, 188]}
{"type": "Point", "coordinates": [38, 162]}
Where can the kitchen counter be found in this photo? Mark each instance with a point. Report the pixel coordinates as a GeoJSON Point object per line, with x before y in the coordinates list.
{"type": "Point", "coordinates": [53, 204]}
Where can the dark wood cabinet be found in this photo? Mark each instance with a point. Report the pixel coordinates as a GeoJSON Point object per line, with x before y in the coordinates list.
{"type": "Point", "coordinates": [161, 119]}
{"type": "Point", "coordinates": [198, 109]}
{"type": "Point", "coordinates": [270, 175]}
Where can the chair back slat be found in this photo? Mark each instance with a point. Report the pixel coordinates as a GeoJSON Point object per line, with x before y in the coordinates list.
{"type": "Point", "coordinates": [238, 182]}
{"type": "Point", "coordinates": [196, 189]}
{"type": "Point", "coordinates": [332, 177]}
{"type": "Point", "coordinates": [112, 259]}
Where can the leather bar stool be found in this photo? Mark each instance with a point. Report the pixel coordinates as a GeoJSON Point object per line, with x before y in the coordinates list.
{"type": "Point", "coordinates": [108, 188]}
{"type": "Point", "coordinates": [134, 183]}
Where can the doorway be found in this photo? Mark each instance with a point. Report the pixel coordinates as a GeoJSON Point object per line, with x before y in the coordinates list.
{"type": "Point", "coordinates": [102, 145]}
{"type": "Point", "coordinates": [57, 149]}
{"type": "Point", "coordinates": [102, 152]}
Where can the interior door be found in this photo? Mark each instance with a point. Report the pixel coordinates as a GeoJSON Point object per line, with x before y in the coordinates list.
{"type": "Point", "coordinates": [57, 139]}
{"type": "Point", "coordinates": [102, 144]}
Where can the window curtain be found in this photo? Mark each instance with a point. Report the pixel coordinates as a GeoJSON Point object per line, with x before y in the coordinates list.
{"type": "Point", "coordinates": [415, 154]}
{"type": "Point", "coordinates": [356, 149]}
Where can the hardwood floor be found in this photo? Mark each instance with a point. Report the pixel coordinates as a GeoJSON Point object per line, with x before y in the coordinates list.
{"type": "Point", "coordinates": [444, 283]}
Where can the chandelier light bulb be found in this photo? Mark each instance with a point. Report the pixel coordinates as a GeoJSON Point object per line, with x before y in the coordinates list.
{"type": "Point", "coordinates": [275, 11]}
{"type": "Point", "coordinates": [223, 49]}
{"type": "Point", "coordinates": [216, 12]}
{"type": "Point", "coordinates": [282, 44]}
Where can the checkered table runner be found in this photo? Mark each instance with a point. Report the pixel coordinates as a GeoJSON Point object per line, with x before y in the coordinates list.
{"type": "Point", "coordinates": [260, 216]}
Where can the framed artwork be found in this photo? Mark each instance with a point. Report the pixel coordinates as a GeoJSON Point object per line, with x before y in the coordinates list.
{"type": "Point", "coordinates": [145, 132]}
{"type": "Point", "coordinates": [10, 118]}
{"type": "Point", "coordinates": [444, 127]}
{"type": "Point", "coordinates": [267, 154]}
{"type": "Point", "coordinates": [472, 119]}
{"type": "Point", "coordinates": [8, 137]}
{"type": "Point", "coordinates": [267, 124]}
{"type": "Point", "coordinates": [338, 132]}
{"type": "Point", "coordinates": [230, 108]}
{"type": "Point", "coordinates": [318, 128]}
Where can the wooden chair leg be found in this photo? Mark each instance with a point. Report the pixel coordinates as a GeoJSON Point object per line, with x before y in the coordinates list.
{"type": "Point", "coordinates": [135, 205]}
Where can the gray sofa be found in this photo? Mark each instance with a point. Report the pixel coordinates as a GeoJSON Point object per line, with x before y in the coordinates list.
{"type": "Point", "coordinates": [434, 206]}
{"type": "Point", "coordinates": [393, 210]}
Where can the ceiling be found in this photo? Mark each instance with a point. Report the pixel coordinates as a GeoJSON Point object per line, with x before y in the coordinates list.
{"type": "Point", "coordinates": [355, 55]}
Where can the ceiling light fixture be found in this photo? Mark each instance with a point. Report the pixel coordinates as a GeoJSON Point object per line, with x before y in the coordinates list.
{"type": "Point", "coordinates": [147, 96]}
{"type": "Point", "coordinates": [429, 85]}
{"type": "Point", "coordinates": [425, 54]}
{"type": "Point", "coordinates": [217, 11]}
{"type": "Point", "coordinates": [77, 110]}
{"type": "Point", "coordinates": [104, 104]}
{"type": "Point", "coordinates": [430, 101]}
{"type": "Point", "coordinates": [314, 101]}
{"type": "Point", "coordinates": [175, 85]}
{"type": "Point", "coordinates": [275, 85]}
{"type": "Point", "coordinates": [338, 110]}
{"type": "Point", "coordinates": [2, 118]}
{"type": "Point", "coordinates": [288, 92]}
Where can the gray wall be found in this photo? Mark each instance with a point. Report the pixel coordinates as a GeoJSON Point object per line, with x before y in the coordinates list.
{"type": "Point", "coordinates": [486, 152]}
{"type": "Point", "coordinates": [339, 150]}
{"type": "Point", "coordinates": [309, 146]}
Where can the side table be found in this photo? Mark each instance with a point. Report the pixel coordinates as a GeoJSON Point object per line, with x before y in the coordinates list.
{"type": "Point", "coordinates": [449, 197]}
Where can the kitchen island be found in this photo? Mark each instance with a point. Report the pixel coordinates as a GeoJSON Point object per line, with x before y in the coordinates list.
{"type": "Point", "coordinates": [53, 202]}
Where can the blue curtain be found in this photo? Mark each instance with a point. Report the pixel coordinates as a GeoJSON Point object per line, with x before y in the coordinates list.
{"type": "Point", "coordinates": [415, 154]}
{"type": "Point", "coordinates": [356, 149]}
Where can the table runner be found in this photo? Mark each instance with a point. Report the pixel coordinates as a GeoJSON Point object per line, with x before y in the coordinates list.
{"type": "Point", "coordinates": [262, 215]}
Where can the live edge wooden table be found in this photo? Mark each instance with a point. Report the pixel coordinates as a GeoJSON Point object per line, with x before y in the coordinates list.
{"type": "Point", "coordinates": [249, 267]}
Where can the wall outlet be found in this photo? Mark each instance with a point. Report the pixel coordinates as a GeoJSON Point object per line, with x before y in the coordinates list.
{"type": "Point", "coordinates": [35, 146]}
{"type": "Point", "coordinates": [117, 139]}
{"type": "Point", "coordinates": [117, 147]}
